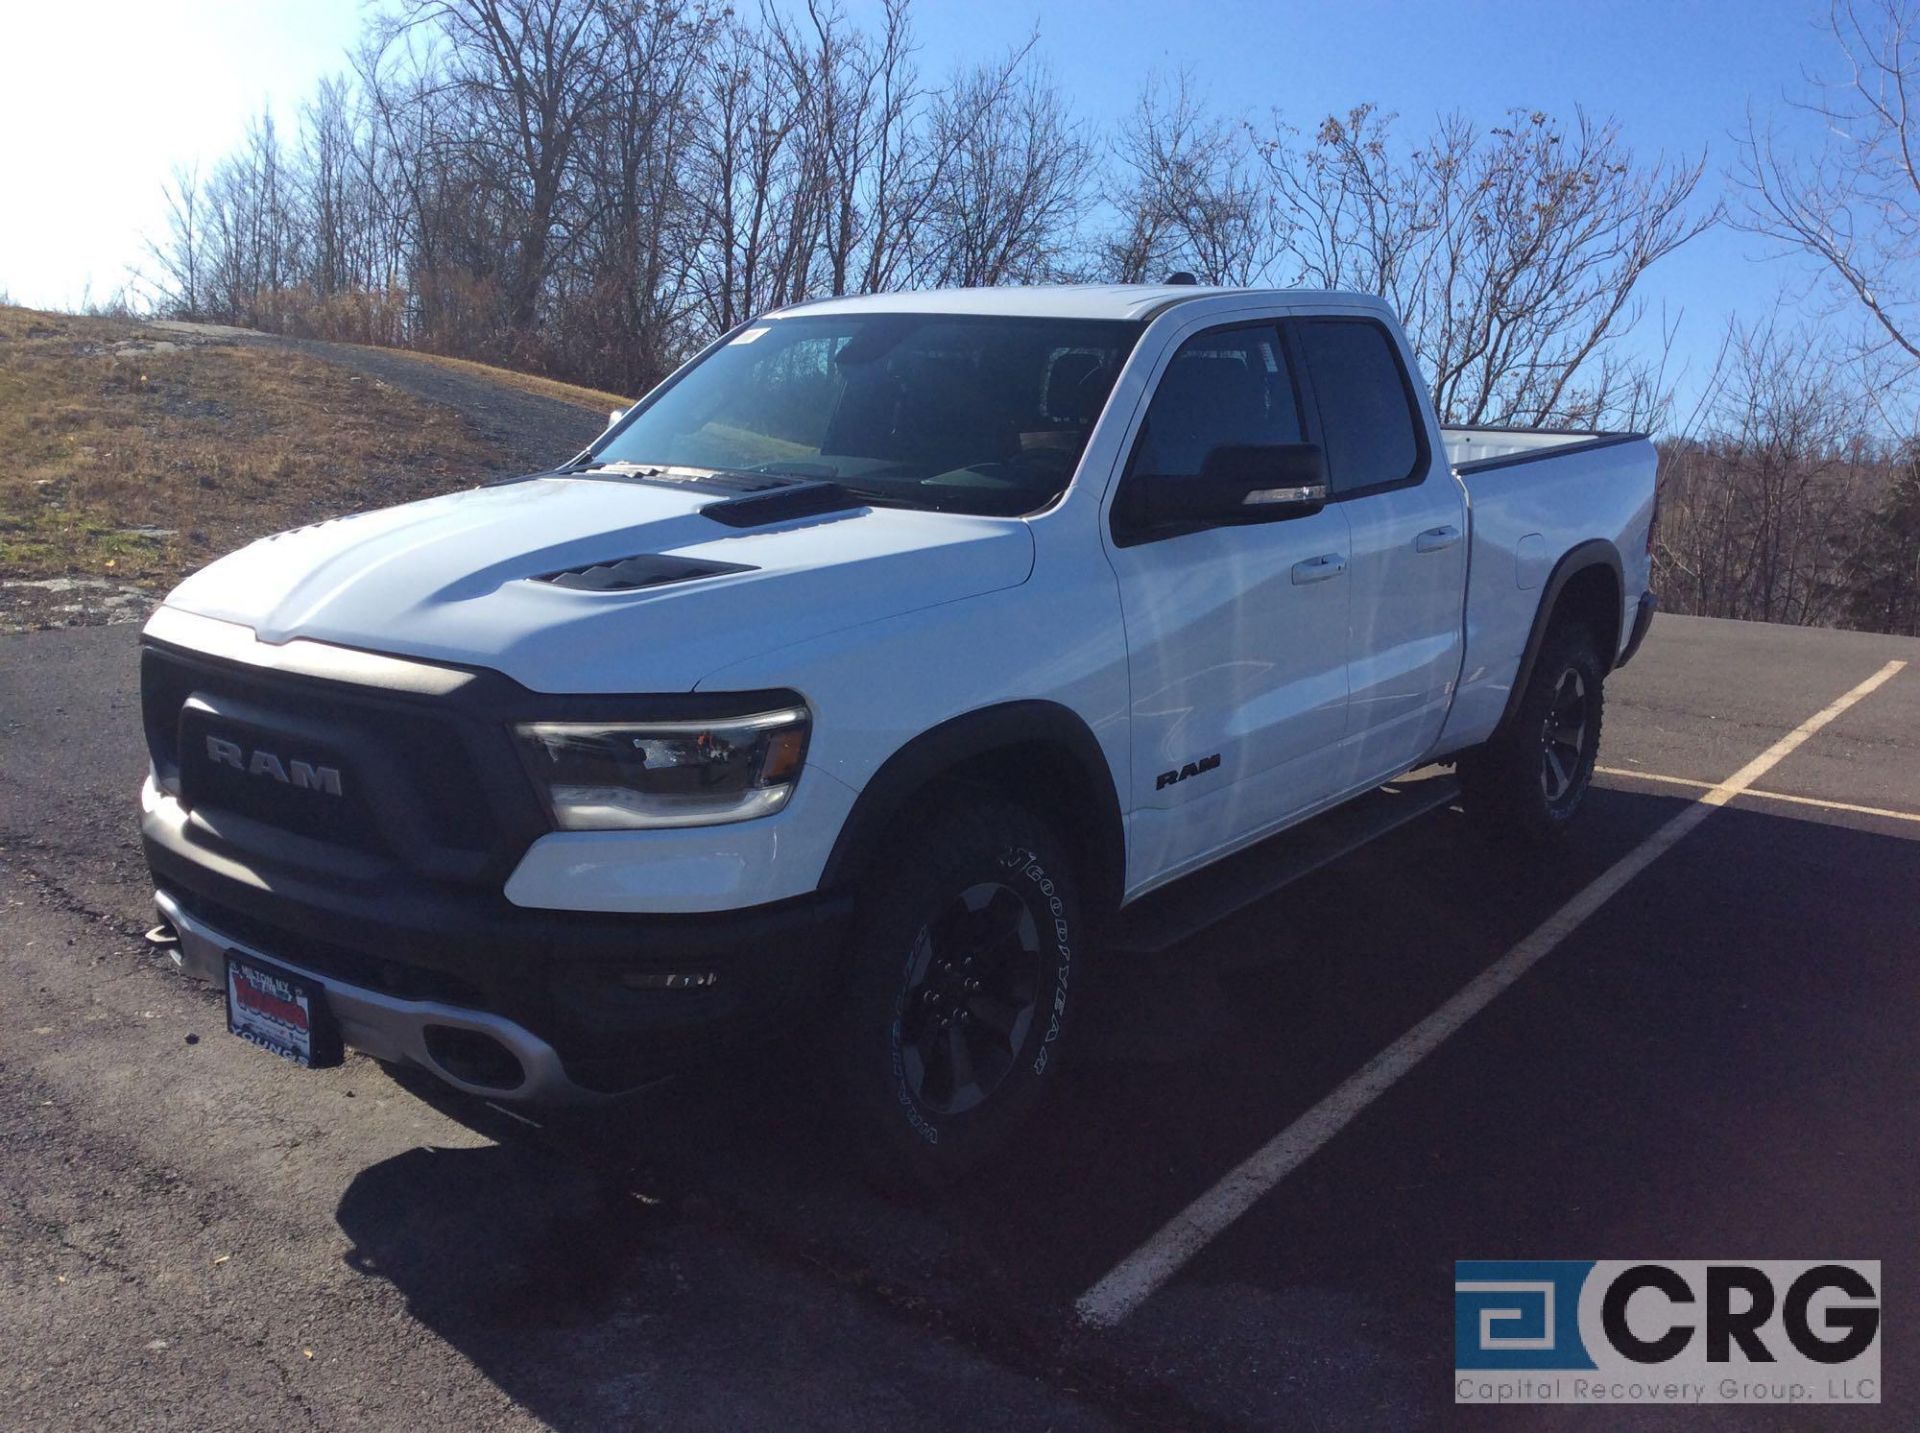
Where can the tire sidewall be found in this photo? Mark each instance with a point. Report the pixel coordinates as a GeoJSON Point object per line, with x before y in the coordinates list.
{"type": "Point", "coordinates": [1572, 651]}
{"type": "Point", "coordinates": [1501, 780]}
{"type": "Point", "coordinates": [964, 844]}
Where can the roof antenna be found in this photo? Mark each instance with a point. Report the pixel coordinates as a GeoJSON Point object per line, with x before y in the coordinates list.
{"type": "Point", "coordinates": [1180, 276]}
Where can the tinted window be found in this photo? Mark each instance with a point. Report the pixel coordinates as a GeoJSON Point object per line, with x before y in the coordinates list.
{"type": "Point", "coordinates": [1230, 386]}
{"type": "Point", "coordinates": [1366, 418]}
{"type": "Point", "coordinates": [952, 412]}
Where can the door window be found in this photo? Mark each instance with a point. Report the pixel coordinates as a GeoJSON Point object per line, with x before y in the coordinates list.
{"type": "Point", "coordinates": [1227, 386]}
{"type": "Point", "coordinates": [1368, 424]}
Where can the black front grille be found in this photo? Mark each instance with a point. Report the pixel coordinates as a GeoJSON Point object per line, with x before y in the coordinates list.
{"type": "Point", "coordinates": [269, 765]}
{"type": "Point", "coordinates": [430, 787]}
{"type": "Point", "coordinates": [404, 779]}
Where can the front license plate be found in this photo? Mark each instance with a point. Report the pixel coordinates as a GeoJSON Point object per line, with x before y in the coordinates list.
{"type": "Point", "coordinates": [280, 1012]}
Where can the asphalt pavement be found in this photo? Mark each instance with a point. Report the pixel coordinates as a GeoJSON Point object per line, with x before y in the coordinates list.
{"type": "Point", "coordinates": [1717, 1062]}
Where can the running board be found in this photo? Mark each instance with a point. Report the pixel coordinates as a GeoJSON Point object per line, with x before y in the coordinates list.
{"type": "Point", "coordinates": [1171, 914]}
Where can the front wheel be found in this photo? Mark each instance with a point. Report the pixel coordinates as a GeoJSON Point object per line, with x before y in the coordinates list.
{"type": "Point", "coordinates": [956, 1007]}
{"type": "Point", "coordinates": [1529, 780]}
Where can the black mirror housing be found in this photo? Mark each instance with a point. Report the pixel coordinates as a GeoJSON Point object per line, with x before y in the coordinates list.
{"type": "Point", "coordinates": [1237, 483]}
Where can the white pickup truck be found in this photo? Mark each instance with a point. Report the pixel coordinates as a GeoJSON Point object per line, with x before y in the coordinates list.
{"type": "Point", "coordinates": [880, 670]}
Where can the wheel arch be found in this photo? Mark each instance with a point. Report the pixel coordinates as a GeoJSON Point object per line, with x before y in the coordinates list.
{"type": "Point", "coordinates": [1588, 584]}
{"type": "Point", "coordinates": [1038, 752]}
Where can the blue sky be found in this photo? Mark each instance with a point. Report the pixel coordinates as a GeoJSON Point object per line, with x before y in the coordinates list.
{"type": "Point", "coordinates": [90, 142]}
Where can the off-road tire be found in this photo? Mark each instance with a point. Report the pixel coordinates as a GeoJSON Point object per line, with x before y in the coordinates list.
{"type": "Point", "coordinates": [1528, 782]}
{"type": "Point", "coordinates": [969, 863]}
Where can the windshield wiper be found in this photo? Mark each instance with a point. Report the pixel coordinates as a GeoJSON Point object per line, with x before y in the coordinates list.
{"type": "Point", "coordinates": [820, 474]}
{"type": "Point", "coordinates": [829, 473]}
{"type": "Point", "coordinates": [872, 496]}
{"type": "Point", "coordinates": [825, 472]}
{"type": "Point", "coordinates": [617, 465]}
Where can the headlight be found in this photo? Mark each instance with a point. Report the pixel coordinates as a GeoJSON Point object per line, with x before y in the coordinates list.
{"type": "Point", "coordinates": [615, 776]}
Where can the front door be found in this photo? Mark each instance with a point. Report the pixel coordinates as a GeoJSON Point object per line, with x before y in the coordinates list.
{"type": "Point", "coordinates": [1236, 635]}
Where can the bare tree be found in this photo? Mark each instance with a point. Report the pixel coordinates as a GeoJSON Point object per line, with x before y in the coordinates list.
{"type": "Point", "coordinates": [592, 187]}
{"type": "Point", "coordinates": [747, 177]}
{"type": "Point", "coordinates": [623, 297]}
{"type": "Point", "coordinates": [529, 70]}
{"type": "Point", "coordinates": [1514, 254]}
{"type": "Point", "coordinates": [1854, 206]}
{"type": "Point", "coordinates": [1188, 195]}
{"type": "Point", "coordinates": [175, 283]}
{"type": "Point", "coordinates": [1881, 575]}
{"type": "Point", "coordinates": [1761, 512]}
{"type": "Point", "coordinates": [1007, 203]}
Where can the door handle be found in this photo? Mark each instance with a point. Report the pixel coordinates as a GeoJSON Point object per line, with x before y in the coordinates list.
{"type": "Point", "coordinates": [1435, 538]}
{"type": "Point", "coordinates": [1318, 569]}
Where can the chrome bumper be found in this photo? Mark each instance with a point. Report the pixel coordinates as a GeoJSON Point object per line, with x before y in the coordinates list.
{"type": "Point", "coordinates": [385, 1027]}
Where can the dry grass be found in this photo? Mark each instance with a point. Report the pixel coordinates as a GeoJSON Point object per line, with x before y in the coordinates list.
{"type": "Point", "coordinates": [593, 399]}
{"type": "Point", "coordinates": [109, 428]}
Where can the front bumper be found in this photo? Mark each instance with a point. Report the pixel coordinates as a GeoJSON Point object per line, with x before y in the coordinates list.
{"type": "Point", "coordinates": [587, 1004]}
{"type": "Point", "coordinates": [391, 1029]}
{"type": "Point", "coordinates": [387, 881]}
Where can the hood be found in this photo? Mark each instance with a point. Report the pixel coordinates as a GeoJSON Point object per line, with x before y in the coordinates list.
{"type": "Point", "coordinates": [463, 578]}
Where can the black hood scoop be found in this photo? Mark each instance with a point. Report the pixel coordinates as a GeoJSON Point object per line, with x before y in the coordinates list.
{"type": "Point", "coordinates": [749, 499]}
{"type": "Point", "coordinates": [767, 499]}
{"type": "Point", "coordinates": [631, 574]}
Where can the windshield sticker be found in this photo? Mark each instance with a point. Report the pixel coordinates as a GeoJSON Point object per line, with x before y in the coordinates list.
{"type": "Point", "coordinates": [751, 334]}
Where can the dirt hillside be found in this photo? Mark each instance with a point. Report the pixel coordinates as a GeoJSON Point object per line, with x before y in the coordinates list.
{"type": "Point", "coordinates": [137, 452]}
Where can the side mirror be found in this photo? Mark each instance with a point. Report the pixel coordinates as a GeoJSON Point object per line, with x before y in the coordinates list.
{"type": "Point", "coordinates": [1237, 483]}
{"type": "Point", "coordinates": [615, 416]}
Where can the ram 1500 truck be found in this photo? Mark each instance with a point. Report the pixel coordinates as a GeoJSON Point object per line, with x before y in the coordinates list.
{"type": "Point", "coordinates": [861, 679]}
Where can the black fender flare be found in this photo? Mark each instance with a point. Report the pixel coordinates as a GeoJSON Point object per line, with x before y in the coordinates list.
{"type": "Point", "coordinates": [944, 749]}
{"type": "Point", "coordinates": [1595, 552]}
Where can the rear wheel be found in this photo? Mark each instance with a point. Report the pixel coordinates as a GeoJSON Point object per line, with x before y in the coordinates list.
{"type": "Point", "coordinates": [957, 999]}
{"type": "Point", "coordinates": [1530, 779]}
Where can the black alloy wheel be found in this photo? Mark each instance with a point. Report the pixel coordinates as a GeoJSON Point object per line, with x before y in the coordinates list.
{"type": "Point", "coordinates": [962, 969]}
{"type": "Point", "coordinates": [1533, 774]}
{"type": "Point", "coordinates": [1563, 737]}
{"type": "Point", "coordinates": [972, 984]}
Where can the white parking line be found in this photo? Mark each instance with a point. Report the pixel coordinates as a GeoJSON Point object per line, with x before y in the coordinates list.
{"type": "Point", "coordinates": [1130, 1282]}
{"type": "Point", "coordinates": [1755, 794]}
{"type": "Point", "coordinates": [1654, 776]}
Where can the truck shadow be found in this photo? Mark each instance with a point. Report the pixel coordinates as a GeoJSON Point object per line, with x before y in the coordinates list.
{"type": "Point", "coordinates": [528, 1254]}
{"type": "Point", "coordinates": [492, 1238]}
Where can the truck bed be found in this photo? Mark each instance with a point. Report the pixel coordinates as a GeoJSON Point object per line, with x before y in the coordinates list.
{"type": "Point", "coordinates": [1474, 450]}
{"type": "Point", "coordinates": [1532, 497]}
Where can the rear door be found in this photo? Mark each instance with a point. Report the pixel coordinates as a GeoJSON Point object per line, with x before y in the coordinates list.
{"type": "Point", "coordinates": [1236, 635]}
{"type": "Point", "coordinates": [1407, 520]}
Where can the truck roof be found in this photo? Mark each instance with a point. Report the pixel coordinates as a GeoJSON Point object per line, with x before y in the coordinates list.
{"type": "Point", "coordinates": [1110, 301]}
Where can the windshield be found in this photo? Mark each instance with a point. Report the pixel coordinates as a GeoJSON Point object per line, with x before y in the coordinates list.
{"type": "Point", "coordinates": [959, 413]}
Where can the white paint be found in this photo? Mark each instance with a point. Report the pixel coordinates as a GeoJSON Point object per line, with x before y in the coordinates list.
{"type": "Point", "coordinates": [1161, 1257]}
{"type": "Point", "coordinates": [1757, 795]}
{"type": "Point", "coordinates": [1831, 805]}
{"type": "Point", "coordinates": [1650, 776]}
{"type": "Point", "coordinates": [689, 868]}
